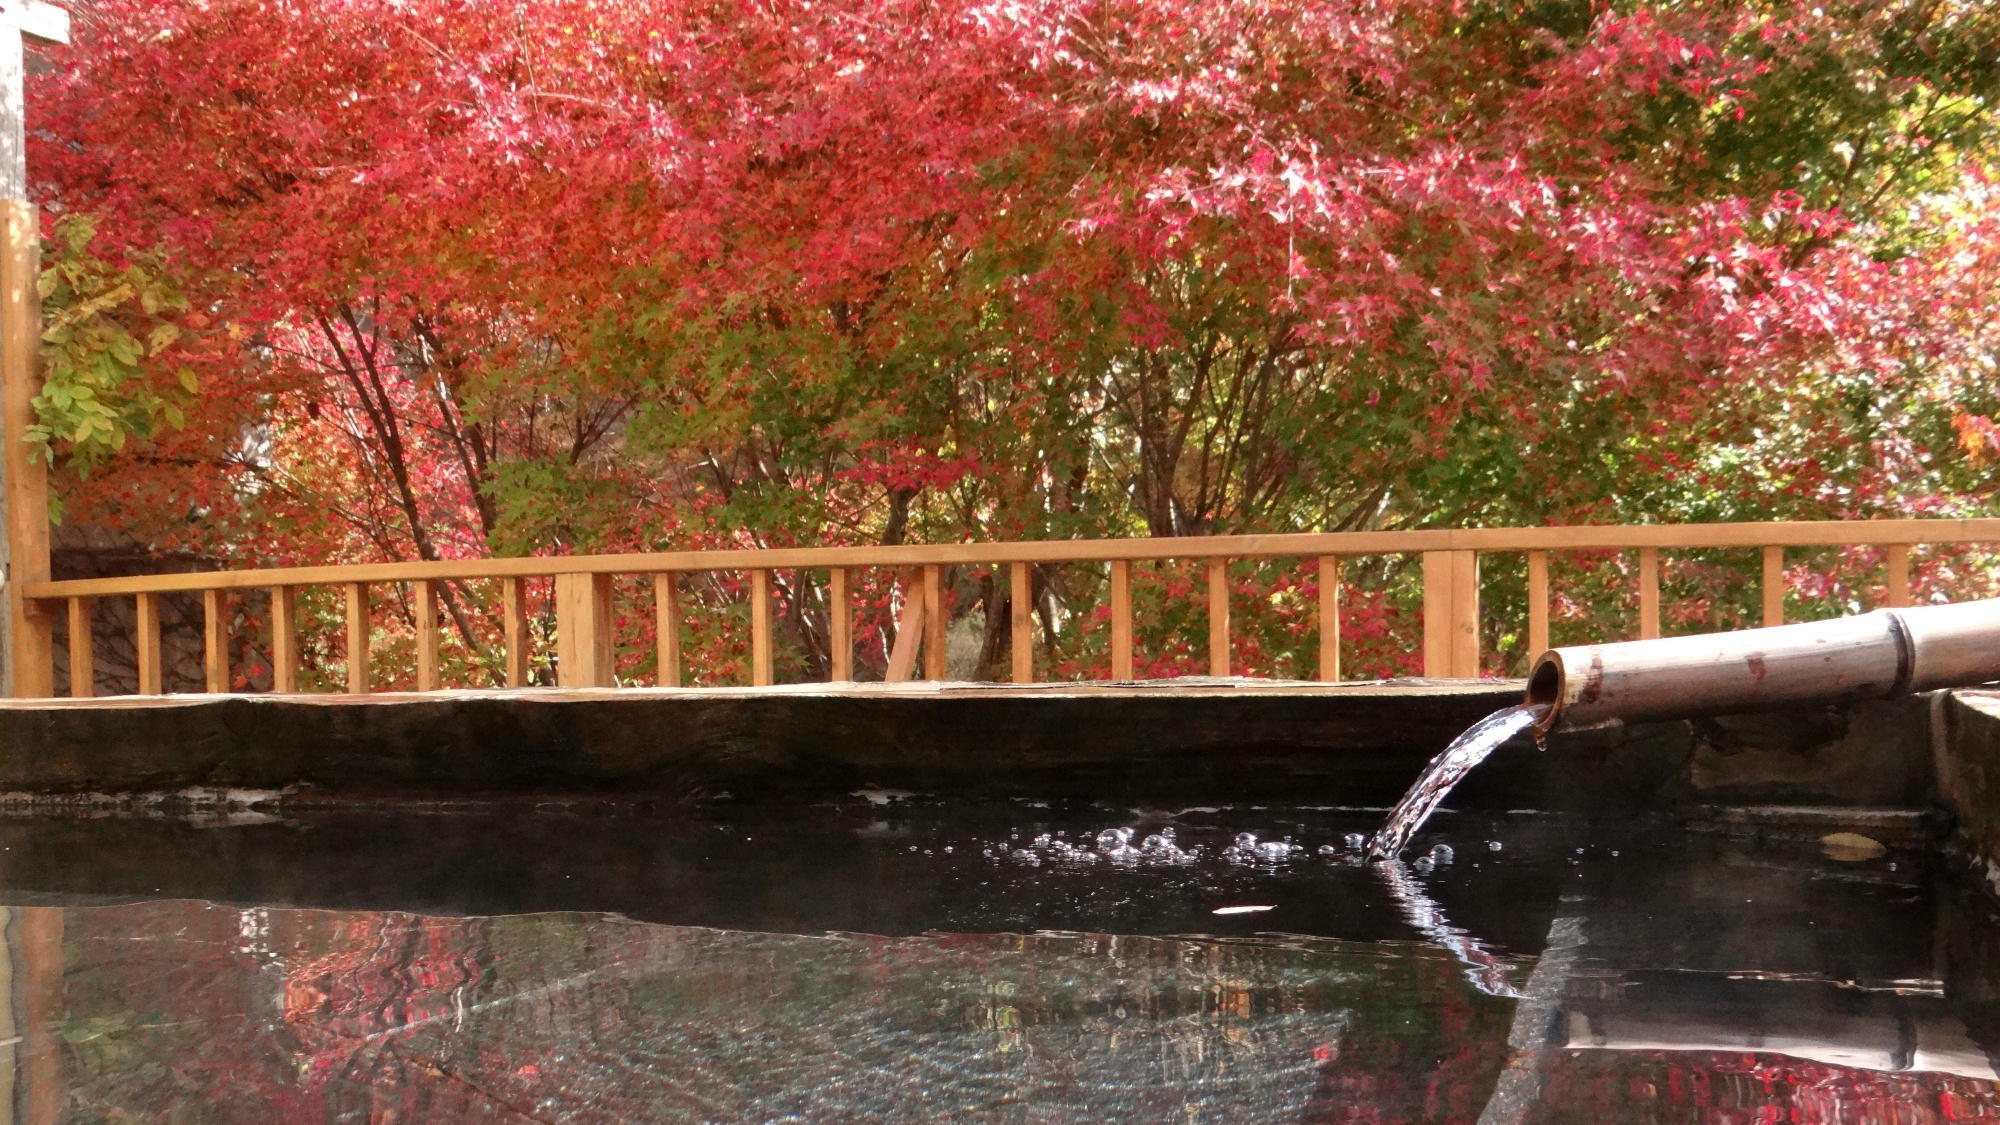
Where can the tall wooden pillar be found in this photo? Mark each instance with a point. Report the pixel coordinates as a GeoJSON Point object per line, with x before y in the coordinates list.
{"type": "Point", "coordinates": [29, 668]}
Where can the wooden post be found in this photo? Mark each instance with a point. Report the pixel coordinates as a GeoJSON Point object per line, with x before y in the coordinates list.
{"type": "Point", "coordinates": [760, 628]}
{"type": "Point", "coordinates": [30, 670]}
{"type": "Point", "coordinates": [840, 627]}
{"type": "Point", "coordinates": [1898, 578]}
{"type": "Point", "coordinates": [1649, 593]}
{"type": "Point", "coordinates": [357, 638]}
{"type": "Point", "coordinates": [284, 639]}
{"type": "Point", "coordinates": [1538, 603]}
{"type": "Point", "coordinates": [514, 632]}
{"type": "Point", "coordinates": [82, 657]}
{"type": "Point", "coordinates": [214, 642]}
{"type": "Point", "coordinates": [1121, 619]}
{"type": "Point", "coordinates": [146, 623]}
{"type": "Point", "coordinates": [1020, 620]}
{"type": "Point", "coordinates": [1451, 614]}
{"type": "Point", "coordinates": [424, 592]}
{"type": "Point", "coordinates": [29, 641]}
{"type": "Point", "coordinates": [909, 631]}
{"type": "Point", "coordinates": [583, 631]}
{"type": "Point", "coordinates": [936, 664]}
{"type": "Point", "coordinates": [667, 624]}
{"type": "Point", "coordinates": [1329, 619]}
{"type": "Point", "coordinates": [1774, 585]}
{"type": "Point", "coordinates": [1218, 617]}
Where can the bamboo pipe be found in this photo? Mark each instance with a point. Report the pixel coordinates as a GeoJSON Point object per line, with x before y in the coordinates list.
{"type": "Point", "coordinates": [1878, 655]}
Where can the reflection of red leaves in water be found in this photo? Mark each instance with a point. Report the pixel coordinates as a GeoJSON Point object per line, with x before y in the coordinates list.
{"type": "Point", "coordinates": [1729, 1088]}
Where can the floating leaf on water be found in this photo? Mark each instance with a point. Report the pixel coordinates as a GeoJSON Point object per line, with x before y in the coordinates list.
{"type": "Point", "coordinates": [1851, 847]}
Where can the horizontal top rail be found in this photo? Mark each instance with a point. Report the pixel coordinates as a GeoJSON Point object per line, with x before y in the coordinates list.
{"type": "Point", "coordinates": [1821, 533]}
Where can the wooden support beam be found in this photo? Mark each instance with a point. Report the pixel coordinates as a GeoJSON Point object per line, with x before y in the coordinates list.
{"type": "Point", "coordinates": [1538, 603]}
{"type": "Point", "coordinates": [358, 629]}
{"type": "Point", "coordinates": [760, 628]}
{"type": "Point", "coordinates": [514, 632]}
{"type": "Point", "coordinates": [1898, 578]}
{"type": "Point", "coordinates": [583, 631]}
{"type": "Point", "coordinates": [1329, 618]}
{"type": "Point", "coordinates": [839, 626]}
{"type": "Point", "coordinates": [1121, 619]}
{"type": "Point", "coordinates": [936, 616]}
{"type": "Point", "coordinates": [82, 651]}
{"type": "Point", "coordinates": [1020, 620]}
{"type": "Point", "coordinates": [214, 642]}
{"type": "Point", "coordinates": [424, 592]}
{"type": "Point", "coordinates": [146, 624]}
{"type": "Point", "coordinates": [30, 666]}
{"type": "Point", "coordinates": [1218, 617]}
{"type": "Point", "coordinates": [1451, 614]}
{"type": "Point", "coordinates": [909, 634]}
{"type": "Point", "coordinates": [1649, 593]}
{"type": "Point", "coordinates": [1774, 585]}
{"type": "Point", "coordinates": [284, 638]}
{"type": "Point", "coordinates": [667, 626]}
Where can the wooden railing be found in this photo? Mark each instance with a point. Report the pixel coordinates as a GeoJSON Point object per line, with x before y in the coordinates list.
{"type": "Point", "coordinates": [585, 653]}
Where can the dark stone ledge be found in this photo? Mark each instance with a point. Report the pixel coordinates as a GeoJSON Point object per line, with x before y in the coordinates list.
{"type": "Point", "coordinates": [1201, 740]}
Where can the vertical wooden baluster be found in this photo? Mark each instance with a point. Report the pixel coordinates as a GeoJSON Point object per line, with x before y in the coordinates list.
{"type": "Point", "coordinates": [1649, 593]}
{"type": "Point", "coordinates": [936, 617]}
{"type": "Point", "coordinates": [1437, 613]}
{"type": "Point", "coordinates": [760, 628]}
{"type": "Point", "coordinates": [667, 615]}
{"type": "Point", "coordinates": [357, 638]}
{"type": "Point", "coordinates": [909, 628]}
{"type": "Point", "coordinates": [284, 639]}
{"type": "Point", "coordinates": [425, 593]}
{"type": "Point", "coordinates": [1218, 617]}
{"type": "Point", "coordinates": [1465, 615]}
{"type": "Point", "coordinates": [1899, 575]}
{"type": "Point", "coordinates": [840, 626]}
{"type": "Point", "coordinates": [146, 621]}
{"type": "Point", "coordinates": [1020, 620]}
{"type": "Point", "coordinates": [1774, 585]}
{"type": "Point", "coordinates": [514, 631]}
{"type": "Point", "coordinates": [584, 651]}
{"type": "Point", "coordinates": [82, 657]}
{"type": "Point", "coordinates": [214, 642]}
{"type": "Point", "coordinates": [1538, 603]}
{"type": "Point", "coordinates": [1329, 619]}
{"type": "Point", "coordinates": [1121, 619]}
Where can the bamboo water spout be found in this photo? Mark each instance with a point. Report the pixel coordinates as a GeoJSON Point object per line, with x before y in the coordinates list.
{"type": "Point", "coordinates": [1876, 655]}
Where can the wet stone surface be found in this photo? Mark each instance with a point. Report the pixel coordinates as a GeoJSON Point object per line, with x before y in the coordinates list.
{"type": "Point", "coordinates": [882, 959]}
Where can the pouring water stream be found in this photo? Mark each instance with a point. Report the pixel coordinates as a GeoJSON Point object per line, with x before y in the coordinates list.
{"type": "Point", "coordinates": [1446, 770]}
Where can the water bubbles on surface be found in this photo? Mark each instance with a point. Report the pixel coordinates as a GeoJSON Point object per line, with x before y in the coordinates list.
{"type": "Point", "coordinates": [1492, 845]}
{"type": "Point", "coordinates": [1328, 849]}
{"type": "Point", "coordinates": [1246, 841]}
{"type": "Point", "coordinates": [1423, 865]}
{"type": "Point", "coordinates": [1442, 854]}
{"type": "Point", "coordinates": [1111, 839]}
{"type": "Point", "coordinates": [1354, 841]}
{"type": "Point", "coordinates": [1044, 840]}
{"type": "Point", "coordinates": [1023, 855]}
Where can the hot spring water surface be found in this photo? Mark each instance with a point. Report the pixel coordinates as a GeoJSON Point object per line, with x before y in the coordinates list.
{"type": "Point", "coordinates": [912, 961]}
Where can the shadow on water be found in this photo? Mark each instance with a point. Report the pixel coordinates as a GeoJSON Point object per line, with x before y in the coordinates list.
{"type": "Point", "coordinates": [915, 961]}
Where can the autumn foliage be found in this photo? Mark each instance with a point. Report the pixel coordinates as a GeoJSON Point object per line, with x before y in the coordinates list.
{"type": "Point", "coordinates": [552, 276]}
